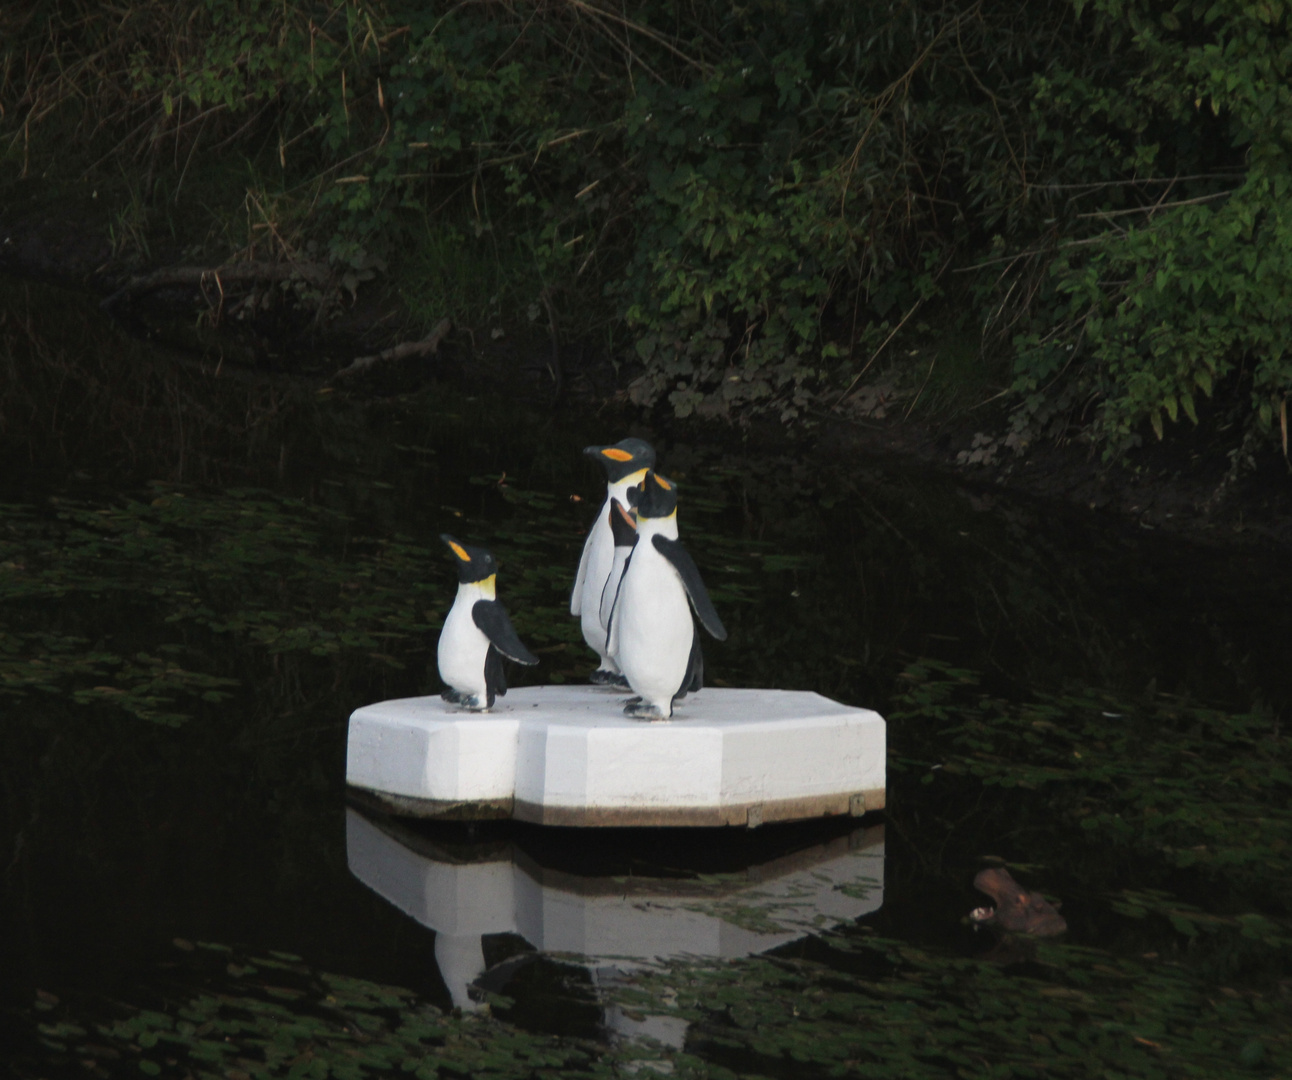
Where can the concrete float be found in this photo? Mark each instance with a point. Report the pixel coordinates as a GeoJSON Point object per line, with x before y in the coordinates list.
{"type": "Point", "coordinates": [566, 755]}
{"type": "Point", "coordinates": [609, 925]}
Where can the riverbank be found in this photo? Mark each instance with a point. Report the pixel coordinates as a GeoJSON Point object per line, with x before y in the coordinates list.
{"type": "Point", "coordinates": [1183, 485]}
{"type": "Point", "coordinates": [1175, 486]}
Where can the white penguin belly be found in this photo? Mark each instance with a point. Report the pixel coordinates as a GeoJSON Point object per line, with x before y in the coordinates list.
{"type": "Point", "coordinates": [600, 558]}
{"type": "Point", "coordinates": [594, 632]}
{"type": "Point", "coordinates": [655, 632]}
{"type": "Point", "coordinates": [462, 649]}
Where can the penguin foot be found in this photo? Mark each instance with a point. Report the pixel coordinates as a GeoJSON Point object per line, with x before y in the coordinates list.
{"type": "Point", "coordinates": [643, 710]}
{"type": "Point", "coordinates": [470, 702]}
{"type": "Point", "coordinates": [602, 677]}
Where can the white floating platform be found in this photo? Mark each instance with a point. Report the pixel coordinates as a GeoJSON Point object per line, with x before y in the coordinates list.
{"type": "Point", "coordinates": [566, 755]}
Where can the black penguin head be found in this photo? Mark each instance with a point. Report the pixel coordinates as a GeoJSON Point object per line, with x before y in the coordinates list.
{"type": "Point", "coordinates": [623, 526]}
{"type": "Point", "coordinates": [655, 498]}
{"type": "Point", "coordinates": [474, 563]}
{"type": "Point", "coordinates": [624, 458]}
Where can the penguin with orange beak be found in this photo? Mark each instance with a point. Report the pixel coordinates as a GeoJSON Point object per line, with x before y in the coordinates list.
{"type": "Point", "coordinates": [477, 634]}
{"type": "Point", "coordinates": [625, 464]}
{"type": "Point", "coordinates": [652, 633]}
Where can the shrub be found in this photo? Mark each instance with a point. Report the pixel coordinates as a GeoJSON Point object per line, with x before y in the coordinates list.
{"type": "Point", "coordinates": [750, 200]}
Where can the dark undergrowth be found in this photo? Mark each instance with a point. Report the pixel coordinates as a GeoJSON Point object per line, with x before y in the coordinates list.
{"type": "Point", "coordinates": [753, 209]}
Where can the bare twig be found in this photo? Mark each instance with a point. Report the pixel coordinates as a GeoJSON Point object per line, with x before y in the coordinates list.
{"type": "Point", "coordinates": [1086, 242]}
{"type": "Point", "coordinates": [645, 31]}
{"type": "Point", "coordinates": [873, 356]}
{"type": "Point", "coordinates": [885, 98]}
{"type": "Point", "coordinates": [555, 366]}
{"type": "Point", "coordinates": [892, 334]}
{"type": "Point", "coordinates": [1157, 206]}
{"type": "Point", "coordinates": [928, 375]}
{"type": "Point", "coordinates": [1100, 184]}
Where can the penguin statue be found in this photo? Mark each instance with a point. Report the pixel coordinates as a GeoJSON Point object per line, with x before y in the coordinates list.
{"type": "Point", "coordinates": [477, 634]}
{"type": "Point", "coordinates": [652, 635]}
{"type": "Point", "coordinates": [625, 463]}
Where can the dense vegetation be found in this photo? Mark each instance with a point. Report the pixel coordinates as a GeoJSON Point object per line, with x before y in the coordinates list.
{"type": "Point", "coordinates": [762, 205]}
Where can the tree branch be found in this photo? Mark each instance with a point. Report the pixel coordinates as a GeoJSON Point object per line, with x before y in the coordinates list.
{"type": "Point", "coordinates": [428, 346]}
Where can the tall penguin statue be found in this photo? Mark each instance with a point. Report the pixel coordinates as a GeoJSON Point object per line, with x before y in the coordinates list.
{"type": "Point", "coordinates": [477, 634]}
{"type": "Point", "coordinates": [625, 464]}
{"type": "Point", "coordinates": [652, 635]}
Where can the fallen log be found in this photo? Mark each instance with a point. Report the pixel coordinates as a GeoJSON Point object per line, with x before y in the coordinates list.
{"type": "Point", "coordinates": [428, 346]}
{"type": "Point", "coordinates": [204, 277]}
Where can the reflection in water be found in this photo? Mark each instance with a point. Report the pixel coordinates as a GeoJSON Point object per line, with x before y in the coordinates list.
{"type": "Point", "coordinates": [612, 924]}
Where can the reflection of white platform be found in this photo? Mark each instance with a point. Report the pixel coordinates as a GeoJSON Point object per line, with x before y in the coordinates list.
{"type": "Point", "coordinates": [566, 755]}
{"type": "Point", "coordinates": [632, 918]}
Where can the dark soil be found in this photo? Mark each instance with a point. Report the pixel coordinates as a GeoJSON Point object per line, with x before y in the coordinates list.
{"type": "Point", "coordinates": [1181, 485]}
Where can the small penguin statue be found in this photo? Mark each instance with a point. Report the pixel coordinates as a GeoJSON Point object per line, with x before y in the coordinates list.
{"type": "Point", "coordinates": [477, 634]}
{"type": "Point", "coordinates": [625, 463]}
{"type": "Point", "coordinates": [652, 635]}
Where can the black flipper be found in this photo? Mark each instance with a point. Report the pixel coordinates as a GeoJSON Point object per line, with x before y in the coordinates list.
{"type": "Point", "coordinates": [495, 677]}
{"type": "Point", "coordinates": [625, 535]}
{"type": "Point", "coordinates": [693, 680]}
{"type": "Point", "coordinates": [621, 525]}
{"type": "Point", "coordinates": [676, 554]}
{"type": "Point", "coordinates": [492, 619]}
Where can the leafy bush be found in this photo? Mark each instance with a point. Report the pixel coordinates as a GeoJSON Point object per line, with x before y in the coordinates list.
{"type": "Point", "coordinates": [1191, 281]}
{"type": "Point", "coordinates": [750, 200]}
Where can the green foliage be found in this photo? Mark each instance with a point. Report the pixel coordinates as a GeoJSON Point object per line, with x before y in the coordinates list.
{"type": "Point", "coordinates": [477, 280]}
{"type": "Point", "coordinates": [1190, 281]}
{"type": "Point", "coordinates": [747, 200]}
{"type": "Point", "coordinates": [787, 188]}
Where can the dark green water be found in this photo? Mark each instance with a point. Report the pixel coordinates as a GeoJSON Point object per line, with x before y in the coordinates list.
{"type": "Point", "coordinates": [200, 579]}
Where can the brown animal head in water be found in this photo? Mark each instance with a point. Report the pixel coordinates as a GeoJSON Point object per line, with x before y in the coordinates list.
{"type": "Point", "coordinates": [1017, 911]}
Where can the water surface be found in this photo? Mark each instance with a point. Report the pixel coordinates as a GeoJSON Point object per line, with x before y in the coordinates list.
{"type": "Point", "coordinates": [199, 581]}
